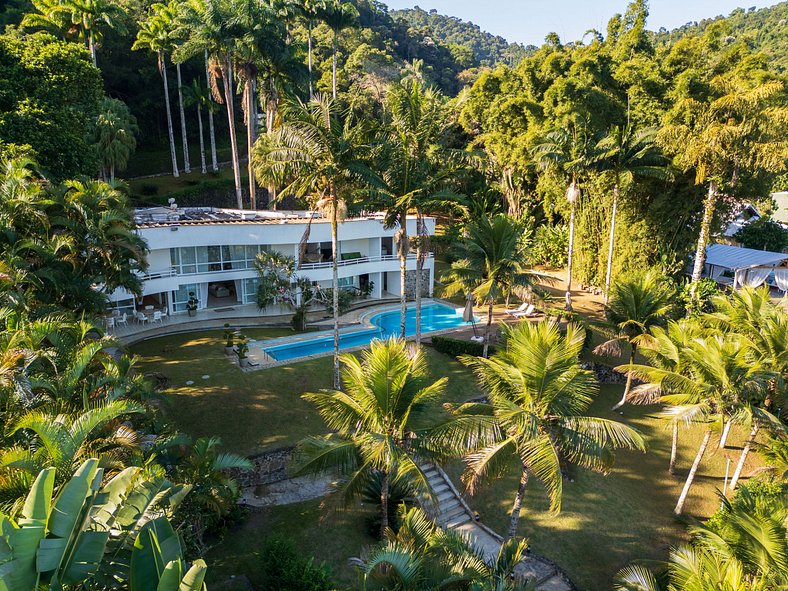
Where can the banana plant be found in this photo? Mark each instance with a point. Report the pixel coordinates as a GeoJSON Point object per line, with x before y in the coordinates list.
{"type": "Point", "coordinates": [86, 532]}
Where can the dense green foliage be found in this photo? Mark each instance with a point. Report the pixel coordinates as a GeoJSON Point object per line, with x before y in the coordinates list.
{"type": "Point", "coordinates": [457, 347]}
{"type": "Point", "coordinates": [763, 234]}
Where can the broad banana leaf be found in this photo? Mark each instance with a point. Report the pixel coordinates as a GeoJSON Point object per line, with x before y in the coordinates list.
{"type": "Point", "coordinates": [157, 545]}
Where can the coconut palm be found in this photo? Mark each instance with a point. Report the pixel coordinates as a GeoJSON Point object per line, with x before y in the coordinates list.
{"type": "Point", "coordinates": [200, 96]}
{"type": "Point", "coordinates": [637, 305]}
{"type": "Point", "coordinates": [378, 421]}
{"type": "Point", "coordinates": [713, 386]}
{"type": "Point", "coordinates": [569, 154]}
{"type": "Point", "coordinates": [338, 16]}
{"type": "Point", "coordinates": [156, 35]}
{"type": "Point", "coordinates": [309, 11]}
{"type": "Point", "coordinates": [318, 152]}
{"type": "Point", "coordinates": [114, 132]}
{"type": "Point", "coordinates": [490, 265]}
{"type": "Point", "coordinates": [421, 555]}
{"type": "Point", "coordinates": [625, 154]}
{"type": "Point", "coordinates": [738, 129]}
{"type": "Point", "coordinates": [538, 394]}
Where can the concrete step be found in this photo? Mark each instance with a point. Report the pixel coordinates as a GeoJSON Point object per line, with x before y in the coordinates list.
{"type": "Point", "coordinates": [450, 505]}
{"type": "Point", "coordinates": [445, 495]}
{"type": "Point", "coordinates": [458, 521]}
{"type": "Point", "coordinates": [554, 583]}
{"type": "Point", "coordinates": [451, 514]}
{"type": "Point", "coordinates": [440, 488]}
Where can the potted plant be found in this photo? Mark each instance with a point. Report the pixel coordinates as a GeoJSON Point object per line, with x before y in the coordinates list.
{"type": "Point", "coordinates": [367, 288]}
{"type": "Point", "coordinates": [241, 349]}
{"type": "Point", "coordinates": [229, 337]}
{"type": "Point", "coordinates": [191, 305]}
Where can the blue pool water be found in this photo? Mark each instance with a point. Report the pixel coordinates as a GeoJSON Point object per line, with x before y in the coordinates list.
{"type": "Point", "coordinates": [434, 317]}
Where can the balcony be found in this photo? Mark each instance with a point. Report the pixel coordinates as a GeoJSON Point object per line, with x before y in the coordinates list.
{"type": "Point", "coordinates": [359, 261]}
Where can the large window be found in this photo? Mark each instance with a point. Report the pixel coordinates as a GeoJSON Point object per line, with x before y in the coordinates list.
{"type": "Point", "coordinates": [250, 290]}
{"type": "Point", "coordinates": [211, 259]}
{"type": "Point", "coordinates": [180, 297]}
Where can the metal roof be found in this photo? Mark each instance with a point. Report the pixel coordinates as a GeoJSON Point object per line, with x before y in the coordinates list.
{"type": "Point", "coordinates": [736, 257]}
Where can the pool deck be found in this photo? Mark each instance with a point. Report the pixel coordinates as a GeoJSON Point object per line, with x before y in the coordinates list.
{"type": "Point", "coordinates": [352, 322]}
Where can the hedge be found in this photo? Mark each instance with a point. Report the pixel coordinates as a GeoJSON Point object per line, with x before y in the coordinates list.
{"type": "Point", "coordinates": [457, 347]}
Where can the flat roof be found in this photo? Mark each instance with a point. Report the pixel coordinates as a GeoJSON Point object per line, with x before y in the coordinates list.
{"type": "Point", "coordinates": [168, 216]}
{"type": "Point", "coordinates": [737, 257]}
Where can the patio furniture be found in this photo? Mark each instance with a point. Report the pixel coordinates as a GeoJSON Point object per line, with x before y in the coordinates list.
{"type": "Point", "coordinates": [313, 257]}
{"type": "Point", "coordinates": [122, 320]}
{"type": "Point", "coordinates": [109, 322]}
{"type": "Point", "coordinates": [148, 308]}
{"type": "Point", "coordinates": [156, 316]}
{"type": "Point", "coordinates": [164, 311]}
{"type": "Point", "coordinates": [477, 339]}
{"type": "Point", "coordinates": [141, 318]}
{"type": "Point", "coordinates": [219, 291]}
{"type": "Point", "coordinates": [529, 312]}
{"type": "Point", "coordinates": [525, 307]}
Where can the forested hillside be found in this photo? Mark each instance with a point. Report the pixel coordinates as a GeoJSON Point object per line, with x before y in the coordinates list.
{"type": "Point", "coordinates": [487, 49]}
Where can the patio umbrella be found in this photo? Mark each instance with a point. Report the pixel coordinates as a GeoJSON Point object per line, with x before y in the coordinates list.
{"type": "Point", "coordinates": [467, 313]}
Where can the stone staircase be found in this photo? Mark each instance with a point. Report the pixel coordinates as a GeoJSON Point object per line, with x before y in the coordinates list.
{"type": "Point", "coordinates": [450, 511]}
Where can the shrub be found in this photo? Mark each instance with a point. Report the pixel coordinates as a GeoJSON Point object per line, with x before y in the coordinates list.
{"type": "Point", "coordinates": [763, 234]}
{"type": "Point", "coordinates": [550, 246]}
{"type": "Point", "coordinates": [284, 569]}
{"type": "Point", "coordinates": [149, 189]}
{"type": "Point", "coordinates": [345, 300]}
{"type": "Point", "coordinates": [457, 347]}
{"type": "Point", "coordinates": [707, 289]}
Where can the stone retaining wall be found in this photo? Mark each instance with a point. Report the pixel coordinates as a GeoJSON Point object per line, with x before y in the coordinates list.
{"type": "Point", "coordinates": [268, 467]}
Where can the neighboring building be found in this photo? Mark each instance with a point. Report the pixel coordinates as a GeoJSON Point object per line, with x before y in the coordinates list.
{"type": "Point", "coordinates": [746, 214]}
{"type": "Point", "coordinates": [780, 213]}
{"type": "Point", "coordinates": [211, 252]}
{"type": "Point", "coordinates": [737, 266]}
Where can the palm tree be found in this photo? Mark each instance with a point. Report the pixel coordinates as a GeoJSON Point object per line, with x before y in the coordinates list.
{"type": "Point", "coordinates": [537, 394]}
{"type": "Point", "coordinates": [490, 264]}
{"type": "Point", "coordinates": [154, 35]}
{"type": "Point", "coordinates": [714, 383]}
{"type": "Point", "coordinates": [377, 421]}
{"type": "Point", "coordinates": [338, 16]}
{"type": "Point", "coordinates": [415, 172]}
{"type": "Point", "coordinates": [423, 556]}
{"type": "Point", "coordinates": [211, 107]}
{"type": "Point", "coordinates": [638, 304]}
{"type": "Point", "coordinates": [213, 31]}
{"type": "Point", "coordinates": [736, 131]}
{"type": "Point", "coordinates": [114, 132]}
{"type": "Point", "coordinates": [318, 151]}
{"type": "Point", "coordinates": [568, 154]}
{"type": "Point", "coordinates": [200, 96]}
{"type": "Point", "coordinates": [309, 11]}
{"type": "Point", "coordinates": [625, 154]}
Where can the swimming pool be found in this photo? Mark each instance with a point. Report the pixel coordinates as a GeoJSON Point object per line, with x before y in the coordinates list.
{"type": "Point", "coordinates": [434, 317]}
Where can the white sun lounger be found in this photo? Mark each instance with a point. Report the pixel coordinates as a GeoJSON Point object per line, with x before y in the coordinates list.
{"type": "Point", "coordinates": [524, 307]}
{"type": "Point", "coordinates": [529, 312]}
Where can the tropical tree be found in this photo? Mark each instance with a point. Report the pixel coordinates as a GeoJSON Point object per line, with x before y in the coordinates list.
{"type": "Point", "coordinates": [338, 16]}
{"type": "Point", "coordinates": [625, 154]}
{"type": "Point", "coordinates": [309, 11]}
{"type": "Point", "coordinates": [155, 34]}
{"type": "Point", "coordinates": [568, 154]}
{"type": "Point", "coordinates": [490, 264]}
{"type": "Point", "coordinates": [200, 97]}
{"type": "Point", "coordinates": [638, 303]}
{"type": "Point", "coordinates": [318, 151]}
{"type": "Point", "coordinates": [733, 131]}
{"type": "Point", "coordinates": [378, 422]}
{"type": "Point", "coordinates": [537, 393]}
{"type": "Point", "coordinates": [113, 134]}
{"type": "Point", "coordinates": [421, 555]}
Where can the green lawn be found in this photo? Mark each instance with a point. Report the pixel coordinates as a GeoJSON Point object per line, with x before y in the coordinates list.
{"type": "Point", "coordinates": [257, 410]}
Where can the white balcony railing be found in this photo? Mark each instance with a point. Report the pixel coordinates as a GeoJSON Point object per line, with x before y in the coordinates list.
{"type": "Point", "coordinates": [160, 274]}
{"type": "Point", "coordinates": [359, 261]}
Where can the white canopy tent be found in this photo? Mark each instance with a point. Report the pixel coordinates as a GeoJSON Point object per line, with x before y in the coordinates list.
{"type": "Point", "coordinates": [748, 266]}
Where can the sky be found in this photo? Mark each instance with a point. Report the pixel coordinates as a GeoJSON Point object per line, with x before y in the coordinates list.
{"type": "Point", "coordinates": [528, 21]}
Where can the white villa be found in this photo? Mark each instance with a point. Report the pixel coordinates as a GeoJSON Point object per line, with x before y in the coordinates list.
{"type": "Point", "coordinates": [211, 252]}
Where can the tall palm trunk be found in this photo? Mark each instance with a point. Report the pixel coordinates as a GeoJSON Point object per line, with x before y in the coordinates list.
{"type": "Point", "coordinates": [309, 57]}
{"type": "Point", "coordinates": [691, 476]}
{"type": "Point", "coordinates": [568, 295]}
{"type": "Point", "coordinates": [632, 354]}
{"type": "Point", "coordinates": [184, 139]}
{"type": "Point", "coordinates": [743, 457]}
{"type": "Point", "coordinates": [251, 120]}
{"type": "Point", "coordinates": [726, 429]}
{"type": "Point", "coordinates": [419, 268]}
{"type": "Point", "coordinates": [170, 132]}
{"type": "Point", "coordinates": [92, 47]}
{"type": "Point", "coordinates": [674, 447]}
{"type": "Point", "coordinates": [609, 271]}
{"type": "Point", "coordinates": [334, 67]}
{"type": "Point", "coordinates": [271, 113]}
{"type": "Point", "coordinates": [335, 277]}
{"type": "Point", "coordinates": [514, 519]}
{"type": "Point", "coordinates": [402, 251]}
{"type": "Point", "coordinates": [211, 132]}
{"type": "Point", "coordinates": [703, 238]}
{"type": "Point", "coordinates": [384, 504]}
{"type": "Point", "coordinates": [227, 78]}
{"type": "Point", "coordinates": [203, 169]}
{"type": "Point", "coordinates": [488, 329]}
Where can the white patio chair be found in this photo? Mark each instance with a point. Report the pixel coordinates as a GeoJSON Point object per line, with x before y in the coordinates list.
{"type": "Point", "coordinates": [164, 313]}
{"type": "Point", "coordinates": [523, 307]}
{"type": "Point", "coordinates": [141, 318]}
{"type": "Point", "coordinates": [122, 320]}
{"type": "Point", "coordinates": [156, 316]}
{"type": "Point", "coordinates": [109, 322]}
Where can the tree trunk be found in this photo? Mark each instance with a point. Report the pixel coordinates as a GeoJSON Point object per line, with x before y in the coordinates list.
{"type": "Point", "coordinates": [171, 133]}
{"type": "Point", "coordinates": [674, 446]}
{"type": "Point", "coordinates": [271, 112]}
{"type": "Point", "coordinates": [251, 116]}
{"type": "Point", "coordinates": [211, 132]}
{"type": "Point", "coordinates": [112, 173]}
{"type": "Point", "coordinates": [621, 402]}
{"type": "Point", "coordinates": [609, 271]}
{"type": "Point", "coordinates": [92, 45]}
{"type": "Point", "coordinates": [227, 77]}
{"type": "Point", "coordinates": [419, 267]}
{"type": "Point", "coordinates": [488, 329]}
{"type": "Point", "coordinates": [726, 429]}
{"type": "Point", "coordinates": [703, 239]}
{"type": "Point", "coordinates": [514, 519]}
{"type": "Point", "coordinates": [309, 57]}
{"type": "Point", "coordinates": [203, 169]}
{"type": "Point", "coordinates": [691, 476]}
{"type": "Point", "coordinates": [402, 247]}
{"type": "Point", "coordinates": [743, 457]}
{"type": "Point", "coordinates": [186, 166]}
{"type": "Point", "coordinates": [384, 505]}
{"type": "Point", "coordinates": [335, 270]}
{"type": "Point", "coordinates": [334, 67]}
{"type": "Point", "coordinates": [568, 305]}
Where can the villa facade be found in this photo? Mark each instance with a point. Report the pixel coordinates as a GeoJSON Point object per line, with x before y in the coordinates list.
{"type": "Point", "coordinates": [210, 252]}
